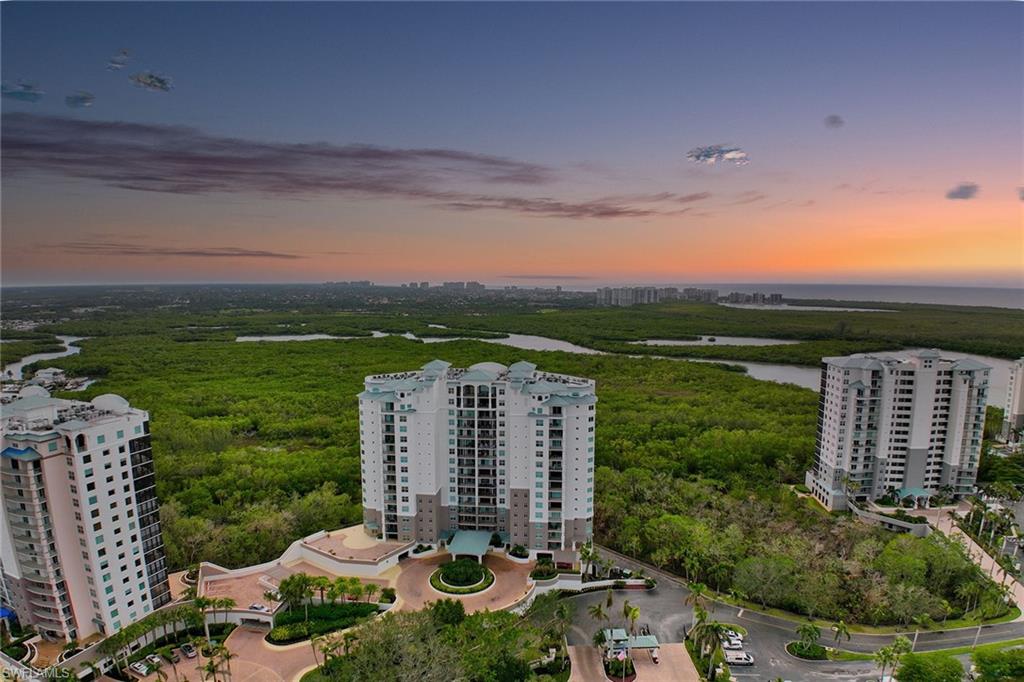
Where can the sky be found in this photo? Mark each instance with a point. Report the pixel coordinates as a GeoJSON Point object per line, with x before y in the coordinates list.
{"type": "Point", "coordinates": [512, 142]}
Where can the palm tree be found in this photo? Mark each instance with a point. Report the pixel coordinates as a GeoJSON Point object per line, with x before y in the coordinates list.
{"type": "Point", "coordinates": [809, 633]}
{"type": "Point", "coordinates": [587, 556]}
{"type": "Point", "coordinates": [884, 658]}
{"type": "Point", "coordinates": [626, 610]}
{"type": "Point", "coordinates": [314, 644]}
{"type": "Point", "coordinates": [923, 620]}
{"type": "Point", "coordinates": [334, 591]}
{"type": "Point", "coordinates": [597, 612]}
{"type": "Point", "coordinates": [608, 598]}
{"type": "Point", "coordinates": [203, 604]}
{"type": "Point", "coordinates": [224, 605]}
{"type": "Point", "coordinates": [225, 658]}
{"type": "Point", "coordinates": [946, 611]}
{"type": "Point", "coordinates": [697, 595]}
{"type": "Point", "coordinates": [634, 616]}
{"type": "Point", "coordinates": [708, 637]}
{"type": "Point", "coordinates": [841, 630]}
{"type": "Point", "coordinates": [370, 589]}
{"type": "Point", "coordinates": [355, 589]}
{"type": "Point", "coordinates": [321, 583]}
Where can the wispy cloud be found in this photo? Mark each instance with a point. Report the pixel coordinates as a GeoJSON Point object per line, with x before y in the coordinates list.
{"type": "Point", "coordinates": [101, 248]}
{"type": "Point", "coordinates": [182, 160]}
{"type": "Point", "coordinates": [1020, 193]}
{"type": "Point", "coordinates": [749, 197]}
{"type": "Point", "coordinates": [556, 277]}
{"type": "Point", "coordinates": [965, 190]}
{"type": "Point", "coordinates": [834, 121]}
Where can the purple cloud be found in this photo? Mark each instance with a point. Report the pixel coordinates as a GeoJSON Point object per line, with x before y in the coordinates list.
{"type": "Point", "coordinates": [965, 190]}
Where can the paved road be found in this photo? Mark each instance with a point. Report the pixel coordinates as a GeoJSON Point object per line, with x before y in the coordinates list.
{"type": "Point", "coordinates": [663, 609]}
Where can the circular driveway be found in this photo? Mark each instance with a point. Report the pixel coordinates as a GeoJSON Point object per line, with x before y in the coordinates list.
{"type": "Point", "coordinates": [510, 584]}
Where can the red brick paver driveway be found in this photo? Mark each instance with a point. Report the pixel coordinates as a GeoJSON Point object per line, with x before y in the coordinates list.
{"type": "Point", "coordinates": [509, 586]}
{"type": "Point", "coordinates": [258, 661]}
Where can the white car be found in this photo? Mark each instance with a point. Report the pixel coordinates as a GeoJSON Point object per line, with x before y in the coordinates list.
{"type": "Point", "coordinates": [140, 667]}
{"type": "Point", "coordinates": [155, 660]}
{"type": "Point", "coordinates": [732, 645]}
{"type": "Point", "coordinates": [733, 634]}
{"type": "Point", "coordinates": [738, 658]}
{"type": "Point", "coordinates": [259, 607]}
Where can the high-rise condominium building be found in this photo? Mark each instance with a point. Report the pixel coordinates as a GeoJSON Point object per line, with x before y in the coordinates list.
{"type": "Point", "coordinates": [80, 540]}
{"type": "Point", "coordinates": [1013, 411]}
{"type": "Point", "coordinates": [911, 426]}
{"type": "Point", "coordinates": [508, 450]}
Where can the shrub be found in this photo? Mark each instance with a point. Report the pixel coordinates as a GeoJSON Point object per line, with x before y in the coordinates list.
{"type": "Point", "coordinates": [615, 667]}
{"type": "Point", "coordinates": [496, 540]}
{"type": "Point", "coordinates": [649, 583]}
{"type": "Point", "coordinates": [619, 584]}
{"type": "Point", "coordinates": [811, 652]}
{"type": "Point", "coordinates": [462, 573]}
{"type": "Point", "coordinates": [801, 488]}
{"type": "Point", "coordinates": [387, 595]}
{"type": "Point", "coordinates": [520, 552]}
{"type": "Point", "coordinates": [325, 612]}
{"type": "Point", "coordinates": [295, 631]}
{"type": "Point", "coordinates": [544, 569]}
{"type": "Point", "coordinates": [435, 582]}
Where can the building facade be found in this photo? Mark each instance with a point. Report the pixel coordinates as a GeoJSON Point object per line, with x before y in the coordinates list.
{"type": "Point", "coordinates": [508, 450]}
{"type": "Point", "coordinates": [80, 541]}
{"type": "Point", "coordinates": [910, 426]}
{"type": "Point", "coordinates": [1013, 410]}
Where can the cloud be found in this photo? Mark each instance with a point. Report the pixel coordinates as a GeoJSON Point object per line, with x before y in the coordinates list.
{"type": "Point", "coordinates": [718, 152]}
{"type": "Point", "coordinates": [965, 190]}
{"type": "Point", "coordinates": [151, 81]}
{"type": "Point", "coordinates": [553, 208]}
{"type": "Point", "coordinates": [100, 248]}
{"type": "Point", "coordinates": [749, 197]}
{"type": "Point", "coordinates": [187, 161]}
{"type": "Point", "coordinates": [834, 121]}
{"type": "Point", "coordinates": [1020, 193]}
{"type": "Point", "coordinates": [183, 160]}
{"type": "Point", "coordinates": [22, 92]}
{"type": "Point", "coordinates": [80, 100]}
{"type": "Point", "coordinates": [555, 277]}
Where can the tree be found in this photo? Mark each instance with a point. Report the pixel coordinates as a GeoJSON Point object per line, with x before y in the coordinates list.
{"type": "Point", "coordinates": [697, 596]}
{"type": "Point", "coordinates": [204, 604]}
{"type": "Point", "coordinates": [809, 633]}
{"type": "Point", "coordinates": [447, 612]}
{"type": "Point", "coordinates": [929, 668]}
{"type": "Point", "coordinates": [708, 637]}
{"type": "Point", "coordinates": [370, 589]}
{"type": "Point", "coordinates": [999, 666]}
{"type": "Point", "coordinates": [321, 584]}
{"type": "Point", "coordinates": [884, 658]}
{"type": "Point", "coordinates": [296, 590]}
{"type": "Point", "coordinates": [598, 613]}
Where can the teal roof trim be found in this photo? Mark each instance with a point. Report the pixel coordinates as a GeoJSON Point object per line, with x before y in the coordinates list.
{"type": "Point", "coordinates": [20, 453]}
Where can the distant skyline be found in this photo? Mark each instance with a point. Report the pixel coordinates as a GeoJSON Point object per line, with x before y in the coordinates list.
{"type": "Point", "coordinates": [537, 142]}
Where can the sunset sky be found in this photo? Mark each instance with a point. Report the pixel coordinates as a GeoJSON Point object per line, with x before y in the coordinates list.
{"type": "Point", "coordinates": [513, 142]}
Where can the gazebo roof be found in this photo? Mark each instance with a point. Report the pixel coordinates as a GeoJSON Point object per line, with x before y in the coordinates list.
{"type": "Point", "coordinates": [471, 542]}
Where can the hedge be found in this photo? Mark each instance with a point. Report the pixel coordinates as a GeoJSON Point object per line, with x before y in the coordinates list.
{"type": "Point", "coordinates": [435, 582]}
{"type": "Point", "coordinates": [294, 632]}
{"type": "Point", "coordinates": [325, 612]}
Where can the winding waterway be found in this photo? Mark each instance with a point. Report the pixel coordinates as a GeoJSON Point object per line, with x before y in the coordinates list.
{"type": "Point", "coordinates": [13, 370]}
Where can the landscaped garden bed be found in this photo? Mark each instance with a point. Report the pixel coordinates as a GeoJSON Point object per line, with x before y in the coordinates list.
{"type": "Point", "coordinates": [461, 577]}
{"type": "Point", "coordinates": [296, 625]}
{"type": "Point", "coordinates": [808, 652]}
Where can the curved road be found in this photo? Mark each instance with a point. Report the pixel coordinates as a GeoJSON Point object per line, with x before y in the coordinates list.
{"type": "Point", "coordinates": [664, 610]}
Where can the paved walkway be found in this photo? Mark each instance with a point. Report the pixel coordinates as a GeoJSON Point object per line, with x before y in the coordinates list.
{"type": "Point", "coordinates": [939, 518]}
{"type": "Point", "coordinates": [586, 664]}
{"type": "Point", "coordinates": [509, 586]}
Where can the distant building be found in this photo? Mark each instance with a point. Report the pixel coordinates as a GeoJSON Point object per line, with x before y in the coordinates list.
{"type": "Point", "coordinates": [1013, 410]}
{"type": "Point", "coordinates": [424, 285]}
{"type": "Point", "coordinates": [455, 286]}
{"type": "Point", "coordinates": [80, 541]}
{"type": "Point", "coordinates": [474, 286]}
{"type": "Point", "coordinates": [506, 450]}
{"type": "Point", "coordinates": [911, 427]}
{"type": "Point", "coordinates": [627, 296]}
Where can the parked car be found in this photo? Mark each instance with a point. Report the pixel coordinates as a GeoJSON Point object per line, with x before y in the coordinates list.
{"type": "Point", "coordinates": [733, 634]}
{"type": "Point", "coordinates": [259, 607]}
{"type": "Point", "coordinates": [738, 658]}
{"type": "Point", "coordinates": [188, 650]}
{"type": "Point", "coordinates": [155, 660]}
{"type": "Point", "coordinates": [732, 645]}
{"type": "Point", "coordinates": [645, 629]}
{"type": "Point", "coordinates": [140, 667]}
{"type": "Point", "coordinates": [172, 656]}
{"type": "Point", "coordinates": [654, 656]}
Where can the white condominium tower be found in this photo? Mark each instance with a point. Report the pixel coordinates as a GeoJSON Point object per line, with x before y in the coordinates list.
{"type": "Point", "coordinates": [911, 426]}
{"type": "Point", "coordinates": [80, 540]}
{"type": "Point", "coordinates": [1013, 411]}
{"type": "Point", "coordinates": [509, 450]}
